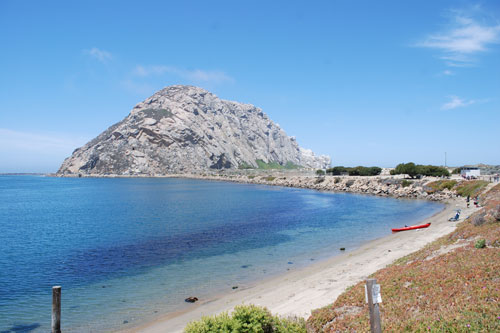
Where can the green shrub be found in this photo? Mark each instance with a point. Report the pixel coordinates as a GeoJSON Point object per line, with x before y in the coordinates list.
{"type": "Point", "coordinates": [413, 170]}
{"type": "Point", "coordinates": [480, 243]}
{"type": "Point", "coordinates": [433, 171]}
{"type": "Point", "coordinates": [375, 171]}
{"type": "Point", "coordinates": [289, 325]}
{"type": "Point", "coordinates": [252, 318]}
{"type": "Point", "coordinates": [320, 172]}
{"type": "Point", "coordinates": [409, 169]}
{"type": "Point", "coordinates": [356, 171]}
{"type": "Point", "coordinates": [406, 183]}
{"type": "Point", "coordinates": [251, 177]}
{"type": "Point", "coordinates": [247, 318]}
{"type": "Point", "coordinates": [269, 178]}
{"type": "Point", "coordinates": [337, 171]}
{"type": "Point", "coordinates": [364, 171]}
{"type": "Point", "coordinates": [220, 323]}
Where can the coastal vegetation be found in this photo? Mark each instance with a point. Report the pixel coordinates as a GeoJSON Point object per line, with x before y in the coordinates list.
{"type": "Point", "coordinates": [247, 318]}
{"type": "Point", "coordinates": [451, 285]}
{"type": "Point", "coordinates": [244, 166]}
{"type": "Point", "coordinates": [440, 185]}
{"type": "Point", "coordinates": [413, 170]}
{"type": "Point", "coordinates": [480, 243]}
{"type": "Point", "coordinates": [355, 171]}
{"type": "Point", "coordinates": [406, 183]}
{"type": "Point", "coordinates": [269, 165]}
{"type": "Point", "coordinates": [471, 188]}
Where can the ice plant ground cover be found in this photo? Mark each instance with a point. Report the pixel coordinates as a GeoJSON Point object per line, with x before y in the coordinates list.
{"type": "Point", "coordinates": [450, 285]}
{"type": "Point", "coordinates": [467, 188]}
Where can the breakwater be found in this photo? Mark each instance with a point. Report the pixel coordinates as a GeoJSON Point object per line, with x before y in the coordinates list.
{"type": "Point", "coordinates": [383, 185]}
{"type": "Point", "coordinates": [386, 186]}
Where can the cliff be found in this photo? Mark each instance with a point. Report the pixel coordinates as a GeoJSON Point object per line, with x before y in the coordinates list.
{"type": "Point", "coordinates": [188, 129]}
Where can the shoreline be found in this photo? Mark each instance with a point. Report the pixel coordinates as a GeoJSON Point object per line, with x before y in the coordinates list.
{"type": "Point", "coordinates": [382, 185]}
{"type": "Point", "coordinates": [298, 292]}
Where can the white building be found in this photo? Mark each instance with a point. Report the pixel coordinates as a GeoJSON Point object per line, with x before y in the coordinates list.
{"type": "Point", "coordinates": [471, 172]}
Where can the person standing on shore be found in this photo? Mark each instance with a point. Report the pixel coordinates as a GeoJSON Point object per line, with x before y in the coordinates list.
{"type": "Point", "coordinates": [468, 201]}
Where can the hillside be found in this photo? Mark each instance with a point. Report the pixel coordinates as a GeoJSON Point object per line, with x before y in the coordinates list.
{"type": "Point", "coordinates": [188, 129]}
{"type": "Point", "coordinates": [451, 285]}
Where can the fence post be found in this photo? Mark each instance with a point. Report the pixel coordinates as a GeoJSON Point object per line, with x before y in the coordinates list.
{"type": "Point", "coordinates": [56, 309]}
{"type": "Point", "coordinates": [375, 325]}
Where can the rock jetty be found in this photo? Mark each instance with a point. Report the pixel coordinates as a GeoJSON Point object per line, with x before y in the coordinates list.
{"type": "Point", "coordinates": [386, 186]}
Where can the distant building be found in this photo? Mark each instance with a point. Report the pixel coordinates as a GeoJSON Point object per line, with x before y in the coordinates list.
{"type": "Point", "coordinates": [471, 172]}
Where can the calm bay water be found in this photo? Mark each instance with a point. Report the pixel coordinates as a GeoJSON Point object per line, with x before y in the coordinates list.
{"type": "Point", "coordinates": [126, 250]}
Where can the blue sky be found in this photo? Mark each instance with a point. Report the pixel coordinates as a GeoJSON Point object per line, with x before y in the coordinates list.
{"type": "Point", "coordinates": [366, 82]}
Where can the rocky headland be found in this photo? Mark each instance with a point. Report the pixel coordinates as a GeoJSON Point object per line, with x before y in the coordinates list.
{"type": "Point", "coordinates": [184, 129]}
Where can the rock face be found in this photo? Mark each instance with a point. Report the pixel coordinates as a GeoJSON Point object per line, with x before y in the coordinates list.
{"type": "Point", "coordinates": [187, 129]}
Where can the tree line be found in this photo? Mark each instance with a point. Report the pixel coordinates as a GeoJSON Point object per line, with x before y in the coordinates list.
{"type": "Point", "coordinates": [354, 171]}
{"type": "Point", "coordinates": [413, 170]}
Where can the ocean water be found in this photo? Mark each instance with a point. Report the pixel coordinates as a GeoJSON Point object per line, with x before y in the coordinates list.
{"type": "Point", "coordinates": [127, 250]}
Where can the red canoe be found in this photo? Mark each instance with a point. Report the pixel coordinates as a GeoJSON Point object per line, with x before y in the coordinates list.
{"type": "Point", "coordinates": [412, 227]}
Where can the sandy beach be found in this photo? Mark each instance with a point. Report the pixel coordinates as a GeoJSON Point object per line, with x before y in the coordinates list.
{"type": "Point", "coordinates": [299, 292]}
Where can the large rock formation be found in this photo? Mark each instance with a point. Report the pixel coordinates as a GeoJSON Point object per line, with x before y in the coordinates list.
{"type": "Point", "coordinates": [187, 129]}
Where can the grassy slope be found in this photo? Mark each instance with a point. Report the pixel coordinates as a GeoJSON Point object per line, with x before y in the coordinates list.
{"type": "Point", "coordinates": [430, 290]}
{"type": "Point", "coordinates": [463, 188]}
{"type": "Point", "coordinates": [268, 166]}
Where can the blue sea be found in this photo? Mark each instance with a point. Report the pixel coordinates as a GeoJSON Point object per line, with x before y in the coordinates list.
{"type": "Point", "coordinates": [128, 250]}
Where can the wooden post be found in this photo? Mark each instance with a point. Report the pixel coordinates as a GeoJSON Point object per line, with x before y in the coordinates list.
{"type": "Point", "coordinates": [374, 308]}
{"type": "Point", "coordinates": [56, 309]}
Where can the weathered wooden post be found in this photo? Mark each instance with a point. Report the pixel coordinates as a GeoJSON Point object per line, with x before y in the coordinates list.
{"type": "Point", "coordinates": [56, 309]}
{"type": "Point", "coordinates": [373, 298]}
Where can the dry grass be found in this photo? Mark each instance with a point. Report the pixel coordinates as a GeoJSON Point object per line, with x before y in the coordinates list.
{"type": "Point", "coordinates": [471, 188]}
{"type": "Point", "coordinates": [431, 290]}
{"type": "Point", "coordinates": [441, 185]}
